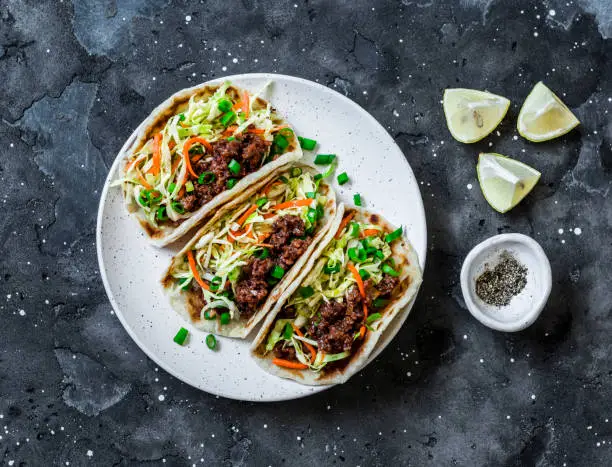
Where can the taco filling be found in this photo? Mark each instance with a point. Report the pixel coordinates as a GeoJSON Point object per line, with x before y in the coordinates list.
{"type": "Point", "coordinates": [232, 268]}
{"type": "Point", "coordinates": [327, 318]}
{"type": "Point", "coordinates": [201, 152]}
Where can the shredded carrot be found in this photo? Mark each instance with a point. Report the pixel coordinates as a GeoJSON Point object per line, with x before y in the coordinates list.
{"type": "Point", "coordinates": [194, 270]}
{"type": "Point", "coordinates": [230, 130]}
{"type": "Point", "coordinates": [187, 163]}
{"type": "Point", "coordinates": [181, 192]}
{"type": "Point", "coordinates": [256, 131]}
{"type": "Point", "coordinates": [310, 348]}
{"type": "Point", "coordinates": [196, 158]}
{"type": "Point", "coordinates": [130, 165]}
{"type": "Point", "coordinates": [267, 245]}
{"type": "Point", "coordinates": [362, 331]}
{"type": "Point", "coordinates": [296, 203]}
{"type": "Point", "coordinates": [369, 232]}
{"type": "Point", "coordinates": [197, 139]}
{"type": "Point", "coordinates": [142, 180]}
{"type": "Point", "coordinates": [237, 105]}
{"type": "Point", "coordinates": [358, 279]}
{"type": "Point", "coordinates": [157, 139]}
{"type": "Point", "coordinates": [171, 145]}
{"type": "Point", "coordinates": [263, 236]}
{"type": "Point", "coordinates": [343, 224]}
{"type": "Point", "coordinates": [269, 215]}
{"type": "Point", "coordinates": [288, 364]}
{"type": "Point", "coordinates": [267, 189]}
{"type": "Point", "coordinates": [246, 104]}
{"type": "Point", "coordinates": [176, 163]}
{"type": "Point", "coordinates": [279, 128]}
{"type": "Point", "coordinates": [242, 219]}
{"type": "Point", "coordinates": [365, 311]}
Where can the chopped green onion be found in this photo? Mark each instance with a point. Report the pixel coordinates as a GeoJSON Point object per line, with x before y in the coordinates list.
{"type": "Point", "coordinates": [211, 342]}
{"type": "Point", "coordinates": [308, 144]}
{"type": "Point", "coordinates": [224, 105]}
{"type": "Point", "coordinates": [286, 131]}
{"type": "Point", "coordinates": [320, 212]}
{"type": "Point", "coordinates": [181, 335]}
{"type": "Point", "coordinates": [206, 178]}
{"type": "Point", "coordinates": [261, 201]}
{"type": "Point", "coordinates": [373, 317]}
{"type": "Point", "coordinates": [215, 283]}
{"type": "Point", "coordinates": [225, 317]}
{"type": "Point", "coordinates": [357, 255]}
{"type": "Point", "coordinates": [210, 314]}
{"type": "Point", "coordinates": [263, 254]}
{"type": "Point", "coordinates": [231, 183]}
{"type": "Point", "coordinates": [155, 199]}
{"type": "Point", "coordinates": [357, 199]}
{"type": "Point", "coordinates": [318, 177]}
{"type": "Point", "coordinates": [228, 118]}
{"type": "Point", "coordinates": [354, 229]}
{"type": "Point", "coordinates": [364, 274]}
{"type": "Point", "coordinates": [389, 270]}
{"type": "Point", "coordinates": [143, 198]}
{"type": "Point", "coordinates": [161, 213]}
{"type": "Point", "coordinates": [171, 187]}
{"type": "Point", "coordinates": [234, 274]}
{"type": "Point", "coordinates": [181, 117]}
{"type": "Point", "coordinates": [234, 167]}
{"type": "Point", "coordinates": [296, 171]}
{"type": "Point", "coordinates": [281, 142]}
{"type": "Point", "coordinates": [327, 269]}
{"type": "Point", "coordinates": [189, 186]}
{"type": "Point", "coordinates": [178, 207]}
{"type": "Point", "coordinates": [379, 254]}
{"type": "Point", "coordinates": [306, 292]}
{"type": "Point", "coordinates": [196, 149]}
{"type": "Point", "coordinates": [343, 178]}
{"type": "Point", "coordinates": [283, 179]}
{"type": "Point", "coordinates": [393, 235]}
{"type": "Point", "coordinates": [185, 283]}
{"type": "Point", "coordinates": [277, 272]}
{"type": "Point", "coordinates": [324, 159]}
{"type": "Point", "coordinates": [380, 302]}
{"type": "Point", "coordinates": [310, 194]}
{"type": "Point", "coordinates": [312, 215]}
{"type": "Point", "coordinates": [287, 331]}
{"type": "Point", "coordinates": [231, 138]}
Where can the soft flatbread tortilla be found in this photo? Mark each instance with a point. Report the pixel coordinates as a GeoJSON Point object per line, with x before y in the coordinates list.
{"type": "Point", "coordinates": [318, 333]}
{"type": "Point", "coordinates": [250, 252]}
{"type": "Point", "coordinates": [198, 150]}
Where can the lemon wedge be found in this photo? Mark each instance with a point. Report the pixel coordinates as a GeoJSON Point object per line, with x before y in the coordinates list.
{"type": "Point", "coordinates": [544, 116]}
{"type": "Point", "coordinates": [504, 181]}
{"type": "Point", "coordinates": [471, 115]}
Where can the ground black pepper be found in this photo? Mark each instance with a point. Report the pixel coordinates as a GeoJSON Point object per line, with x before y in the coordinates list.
{"type": "Point", "coordinates": [507, 279]}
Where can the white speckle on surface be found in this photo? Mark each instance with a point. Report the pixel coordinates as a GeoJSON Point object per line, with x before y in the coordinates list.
{"type": "Point", "coordinates": [409, 374]}
{"type": "Point", "coordinates": [161, 398]}
{"type": "Point", "coordinates": [481, 360]}
{"type": "Point", "coordinates": [265, 425]}
{"type": "Point", "coordinates": [89, 453]}
{"type": "Point", "coordinates": [512, 360]}
{"type": "Point", "coordinates": [578, 231]}
{"type": "Point", "coordinates": [590, 427]}
{"type": "Point", "coordinates": [234, 60]}
{"type": "Point", "coordinates": [469, 186]}
{"type": "Point", "coordinates": [188, 18]}
{"type": "Point", "coordinates": [533, 396]}
{"type": "Point", "coordinates": [507, 417]}
{"type": "Point", "coordinates": [299, 438]}
{"type": "Point", "coordinates": [224, 68]}
{"type": "Point", "coordinates": [535, 34]}
{"type": "Point", "coordinates": [560, 231]}
{"type": "Point", "coordinates": [22, 313]}
{"type": "Point", "coordinates": [552, 12]}
{"type": "Point", "coordinates": [11, 462]}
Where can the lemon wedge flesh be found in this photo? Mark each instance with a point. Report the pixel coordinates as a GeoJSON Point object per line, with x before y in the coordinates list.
{"type": "Point", "coordinates": [544, 116]}
{"type": "Point", "coordinates": [471, 115]}
{"type": "Point", "coordinates": [504, 182]}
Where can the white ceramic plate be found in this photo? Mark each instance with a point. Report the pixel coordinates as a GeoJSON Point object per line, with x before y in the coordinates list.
{"type": "Point", "coordinates": [131, 269]}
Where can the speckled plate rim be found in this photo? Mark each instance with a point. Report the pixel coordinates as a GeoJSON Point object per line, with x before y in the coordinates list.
{"type": "Point", "coordinates": [420, 225]}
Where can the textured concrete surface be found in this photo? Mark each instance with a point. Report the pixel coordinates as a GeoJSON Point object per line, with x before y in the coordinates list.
{"type": "Point", "coordinates": [78, 77]}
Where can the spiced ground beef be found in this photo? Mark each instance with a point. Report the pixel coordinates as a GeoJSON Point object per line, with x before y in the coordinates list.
{"type": "Point", "coordinates": [253, 286]}
{"type": "Point", "coordinates": [248, 150]}
{"type": "Point", "coordinates": [284, 352]}
{"type": "Point", "coordinates": [383, 289]}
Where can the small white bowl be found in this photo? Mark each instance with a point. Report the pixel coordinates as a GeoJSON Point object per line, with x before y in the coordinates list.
{"type": "Point", "coordinates": [525, 307]}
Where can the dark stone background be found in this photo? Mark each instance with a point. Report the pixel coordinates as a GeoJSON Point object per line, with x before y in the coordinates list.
{"type": "Point", "coordinates": [77, 77]}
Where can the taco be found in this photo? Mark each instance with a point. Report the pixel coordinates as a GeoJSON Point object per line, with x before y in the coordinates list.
{"type": "Point", "coordinates": [196, 151]}
{"type": "Point", "coordinates": [325, 326]}
{"type": "Point", "coordinates": [236, 266]}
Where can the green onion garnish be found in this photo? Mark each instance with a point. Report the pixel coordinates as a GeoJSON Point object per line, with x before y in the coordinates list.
{"type": "Point", "coordinates": [215, 283]}
{"type": "Point", "coordinates": [296, 171]}
{"type": "Point", "coordinates": [343, 178]}
{"type": "Point", "coordinates": [178, 207]}
{"type": "Point", "coordinates": [364, 274]}
{"type": "Point", "coordinates": [231, 183]}
{"type": "Point", "coordinates": [310, 194]}
{"type": "Point", "coordinates": [263, 254]}
{"type": "Point", "coordinates": [287, 331]}
{"type": "Point", "coordinates": [354, 229]}
{"type": "Point", "coordinates": [283, 179]}
{"type": "Point", "coordinates": [357, 255]}
{"type": "Point", "coordinates": [312, 215]}
{"type": "Point", "coordinates": [373, 317]}
{"type": "Point", "coordinates": [143, 198]}
{"type": "Point", "coordinates": [357, 199]}
{"type": "Point", "coordinates": [181, 117]}
{"type": "Point", "coordinates": [379, 254]}
{"type": "Point", "coordinates": [281, 142]}
{"type": "Point", "coordinates": [306, 292]}
{"type": "Point", "coordinates": [155, 199]}
{"type": "Point", "coordinates": [261, 201]}
{"type": "Point", "coordinates": [228, 118]}
{"type": "Point", "coordinates": [209, 314]}
{"type": "Point", "coordinates": [308, 144]}
{"type": "Point", "coordinates": [211, 342]}
{"type": "Point", "coordinates": [286, 131]}
{"type": "Point", "coordinates": [234, 274]}
{"type": "Point", "coordinates": [224, 105]}
{"type": "Point", "coordinates": [206, 178]}
{"type": "Point", "coordinates": [185, 283]}
{"type": "Point", "coordinates": [327, 269]}
{"type": "Point", "coordinates": [389, 270]}
{"type": "Point", "coordinates": [225, 317]}
{"type": "Point", "coordinates": [231, 138]}
{"type": "Point", "coordinates": [277, 272]}
{"type": "Point", "coordinates": [393, 235]}
{"type": "Point", "coordinates": [380, 302]}
{"type": "Point", "coordinates": [189, 186]}
{"type": "Point", "coordinates": [171, 187]}
{"type": "Point", "coordinates": [271, 281]}
{"type": "Point", "coordinates": [234, 167]}
{"type": "Point", "coordinates": [161, 213]}
{"type": "Point", "coordinates": [181, 335]}
{"type": "Point", "coordinates": [324, 159]}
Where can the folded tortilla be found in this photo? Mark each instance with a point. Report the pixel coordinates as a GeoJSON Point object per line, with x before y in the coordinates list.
{"type": "Point", "coordinates": [251, 251]}
{"type": "Point", "coordinates": [318, 332]}
{"type": "Point", "coordinates": [179, 168]}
